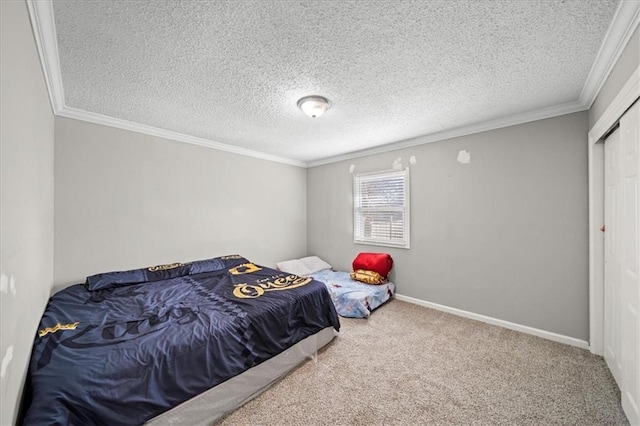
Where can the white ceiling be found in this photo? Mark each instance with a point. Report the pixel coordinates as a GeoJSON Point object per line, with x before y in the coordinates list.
{"type": "Point", "coordinates": [232, 72]}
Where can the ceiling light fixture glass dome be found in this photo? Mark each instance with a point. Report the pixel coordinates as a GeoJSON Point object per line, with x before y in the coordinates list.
{"type": "Point", "coordinates": [314, 106]}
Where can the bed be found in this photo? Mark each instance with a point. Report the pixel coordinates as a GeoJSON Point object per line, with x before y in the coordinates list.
{"type": "Point", "coordinates": [352, 299]}
{"type": "Point", "coordinates": [172, 344]}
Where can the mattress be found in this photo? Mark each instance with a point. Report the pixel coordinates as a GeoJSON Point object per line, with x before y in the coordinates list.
{"type": "Point", "coordinates": [353, 299]}
{"type": "Point", "coordinates": [128, 346]}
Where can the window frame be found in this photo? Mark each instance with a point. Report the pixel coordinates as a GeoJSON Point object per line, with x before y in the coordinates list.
{"type": "Point", "coordinates": [405, 243]}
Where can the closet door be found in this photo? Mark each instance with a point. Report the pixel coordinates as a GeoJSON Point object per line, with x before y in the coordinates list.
{"type": "Point", "coordinates": [612, 257]}
{"type": "Point", "coordinates": [630, 273]}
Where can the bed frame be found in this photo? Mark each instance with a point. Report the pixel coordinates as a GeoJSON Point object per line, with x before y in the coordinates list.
{"type": "Point", "coordinates": [220, 400]}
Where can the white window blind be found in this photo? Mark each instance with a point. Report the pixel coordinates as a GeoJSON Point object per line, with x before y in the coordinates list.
{"type": "Point", "coordinates": [381, 208]}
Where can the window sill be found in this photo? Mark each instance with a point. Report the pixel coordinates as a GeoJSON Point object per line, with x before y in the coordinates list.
{"type": "Point", "coordinates": [383, 244]}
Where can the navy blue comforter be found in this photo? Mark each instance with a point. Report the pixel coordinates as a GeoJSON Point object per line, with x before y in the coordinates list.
{"type": "Point", "coordinates": [127, 346]}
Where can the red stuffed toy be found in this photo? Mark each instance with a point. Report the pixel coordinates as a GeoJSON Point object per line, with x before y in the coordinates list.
{"type": "Point", "coordinates": [378, 262]}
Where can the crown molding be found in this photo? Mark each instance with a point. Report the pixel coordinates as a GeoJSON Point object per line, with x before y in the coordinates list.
{"type": "Point", "coordinates": [43, 24]}
{"type": "Point", "coordinates": [92, 117]}
{"type": "Point", "coordinates": [624, 23]}
{"type": "Point", "coordinates": [629, 93]}
{"type": "Point", "coordinates": [482, 126]}
{"type": "Point", "coordinates": [44, 32]}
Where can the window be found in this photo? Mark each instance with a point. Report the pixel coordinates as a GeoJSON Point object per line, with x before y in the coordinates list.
{"type": "Point", "coordinates": [381, 208]}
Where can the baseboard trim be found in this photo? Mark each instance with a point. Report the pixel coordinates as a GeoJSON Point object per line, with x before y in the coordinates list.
{"type": "Point", "coordinates": [495, 321]}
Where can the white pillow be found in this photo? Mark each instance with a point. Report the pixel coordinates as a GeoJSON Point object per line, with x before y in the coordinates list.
{"type": "Point", "coordinates": [314, 264]}
{"type": "Point", "coordinates": [295, 267]}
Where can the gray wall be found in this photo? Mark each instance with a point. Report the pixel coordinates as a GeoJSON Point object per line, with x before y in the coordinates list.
{"type": "Point", "coordinates": [26, 201]}
{"type": "Point", "coordinates": [128, 200]}
{"type": "Point", "coordinates": [627, 63]}
{"type": "Point", "coordinates": [504, 236]}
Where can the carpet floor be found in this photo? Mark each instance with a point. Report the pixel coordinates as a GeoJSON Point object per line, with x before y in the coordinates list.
{"type": "Point", "coordinates": [407, 364]}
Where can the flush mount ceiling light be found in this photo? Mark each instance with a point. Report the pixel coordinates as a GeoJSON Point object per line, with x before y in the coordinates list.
{"type": "Point", "coordinates": [313, 106]}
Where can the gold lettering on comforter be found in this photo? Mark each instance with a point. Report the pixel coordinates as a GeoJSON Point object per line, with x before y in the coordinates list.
{"type": "Point", "coordinates": [245, 268]}
{"type": "Point", "coordinates": [231, 256]}
{"type": "Point", "coordinates": [166, 267]}
{"type": "Point", "coordinates": [247, 291]}
{"type": "Point", "coordinates": [57, 327]}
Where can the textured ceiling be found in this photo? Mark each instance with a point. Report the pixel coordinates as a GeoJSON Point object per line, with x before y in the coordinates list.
{"type": "Point", "coordinates": [231, 72]}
